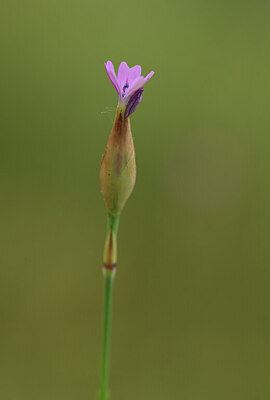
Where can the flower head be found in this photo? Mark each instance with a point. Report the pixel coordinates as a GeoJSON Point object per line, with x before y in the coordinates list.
{"type": "Point", "coordinates": [129, 85]}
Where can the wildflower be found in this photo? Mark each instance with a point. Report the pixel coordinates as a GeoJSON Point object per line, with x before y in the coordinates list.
{"type": "Point", "coordinates": [118, 167]}
{"type": "Point", "coordinates": [128, 84]}
{"type": "Point", "coordinates": [117, 180]}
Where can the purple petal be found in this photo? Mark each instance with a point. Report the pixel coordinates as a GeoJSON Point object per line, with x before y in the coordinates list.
{"type": "Point", "coordinates": [111, 74]}
{"type": "Point", "coordinates": [149, 76]}
{"type": "Point", "coordinates": [134, 73]}
{"type": "Point", "coordinates": [137, 84]}
{"type": "Point", "coordinates": [133, 103]}
{"type": "Point", "coordinates": [122, 75]}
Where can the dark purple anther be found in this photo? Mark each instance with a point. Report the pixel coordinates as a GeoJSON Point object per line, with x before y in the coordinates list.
{"type": "Point", "coordinates": [133, 103]}
{"type": "Point", "coordinates": [125, 87]}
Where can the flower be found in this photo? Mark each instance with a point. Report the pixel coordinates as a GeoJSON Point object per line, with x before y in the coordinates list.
{"type": "Point", "coordinates": [118, 166]}
{"type": "Point", "coordinates": [128, 84]}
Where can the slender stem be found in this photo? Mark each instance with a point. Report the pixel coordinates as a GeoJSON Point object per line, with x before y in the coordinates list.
{"type": "Point", "coordinates": [109, 280]}
{"type": "Point", "coordinates": [109, 269]}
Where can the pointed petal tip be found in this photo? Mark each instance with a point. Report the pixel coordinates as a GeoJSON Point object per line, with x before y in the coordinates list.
{"type": "Point", "coordinates": [149, 76]}
{"type": "Point", "coordinates": [111, 74]}
{"type": "Point", "coordinates": [109, 65]}
{"type": "Point", "coordinates": [123, 64]}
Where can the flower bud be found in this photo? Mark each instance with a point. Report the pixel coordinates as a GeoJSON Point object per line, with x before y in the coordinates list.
{"type": "Point", "coordinates": [118, 167]}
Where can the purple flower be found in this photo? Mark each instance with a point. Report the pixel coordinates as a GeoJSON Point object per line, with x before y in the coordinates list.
{"type": "Point", "coordinates": [128, 84]}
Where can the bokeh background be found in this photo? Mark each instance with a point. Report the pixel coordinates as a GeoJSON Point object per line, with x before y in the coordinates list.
{"type": "Point", "coordinates": [191, 310]}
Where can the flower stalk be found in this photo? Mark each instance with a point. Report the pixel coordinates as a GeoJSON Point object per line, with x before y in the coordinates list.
{"type": "Point", "coordinates": [117, 180]}
{"type": "Point", "coordinates": [109, 281]}
{"type": "Point", "coordinates": [109, 270]}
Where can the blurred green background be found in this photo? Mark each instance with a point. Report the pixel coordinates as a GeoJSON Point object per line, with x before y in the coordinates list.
{"type": "Point", "coordinates": [191, 310]}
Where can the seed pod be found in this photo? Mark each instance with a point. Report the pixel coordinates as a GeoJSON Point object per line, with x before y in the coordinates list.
{"type": "Point", "coordinates": [118, 167]}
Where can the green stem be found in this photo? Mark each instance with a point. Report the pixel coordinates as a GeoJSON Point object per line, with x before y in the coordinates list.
{"type": "Point", "coordinates": [109, 280]}
{"type": "Point", "coordinates": [109, 274]}
{"type": "Point", "coordinates": [113, 222]}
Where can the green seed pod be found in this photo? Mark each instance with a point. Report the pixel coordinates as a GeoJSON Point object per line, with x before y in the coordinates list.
{"type": "Point", "coordinates": [118, 167]}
